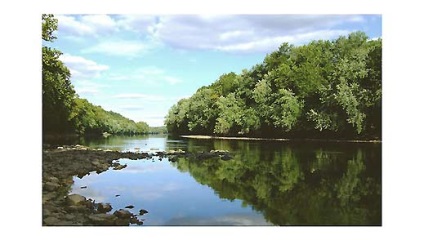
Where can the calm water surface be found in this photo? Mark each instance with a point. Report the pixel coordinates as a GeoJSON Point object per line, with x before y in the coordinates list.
{"type": "Point", "coordinates": [266, 183]}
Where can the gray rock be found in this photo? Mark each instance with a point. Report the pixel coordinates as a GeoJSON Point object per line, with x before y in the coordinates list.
{"type": "Point", "coordinates": [48, 196]}
{"type": "Point", "coordinates": [77, 208]}
{"type": "Point", "coordinates": [75, 199]}
{"type": "Point", "coordinates": [53, 179]}
{"type": "Point", "coordinates": [46, 212]}
{"type": "Point", "coordinates": [143, 211]}
{"type": "Point", "coordinates": [122, 222]}
{"type": "Point", "coordinates": [219, 151]}
{"type": "Point", "coordinates": [49, 221]}
{"type": "Point", "coordinates": [51, 186]}
{"type": "Point", "coordinates": [103, 219]}
{"type": "Point", "coordinates": [122, 213]}
{"type": "Point", "coordinates": [96, 163]}
{"type": "Point", "coordinates": [119, 167]}
{"type": "Point", "coordinates": [104, 207]}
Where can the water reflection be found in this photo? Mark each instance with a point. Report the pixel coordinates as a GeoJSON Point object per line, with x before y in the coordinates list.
{"type": "Point", "coordinates": [265, 183]}
{"type": "Point", "coordinates": [296, 184]}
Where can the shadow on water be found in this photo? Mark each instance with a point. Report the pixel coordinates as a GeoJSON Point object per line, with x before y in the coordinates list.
{"type": "Point", "coordinates": [295, 183]}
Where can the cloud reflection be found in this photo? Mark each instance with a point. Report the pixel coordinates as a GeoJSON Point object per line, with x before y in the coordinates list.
{"type": "Point", "coordinates": [225, 220]}
{"type": "Point", "coordinates": [90, 193]}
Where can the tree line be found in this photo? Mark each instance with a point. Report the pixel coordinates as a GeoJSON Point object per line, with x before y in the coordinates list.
{"type": "Point", "coordinates": [326, 88]}
{"type": "Point", "coordinates": [63, 111]}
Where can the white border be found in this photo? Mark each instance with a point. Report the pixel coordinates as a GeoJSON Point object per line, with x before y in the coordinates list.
{"type": "Point", "coordinates": [21, 118]}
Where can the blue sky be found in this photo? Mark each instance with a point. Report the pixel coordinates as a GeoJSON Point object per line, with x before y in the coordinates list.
{"type": "Point", "coordinates": [140, 65]}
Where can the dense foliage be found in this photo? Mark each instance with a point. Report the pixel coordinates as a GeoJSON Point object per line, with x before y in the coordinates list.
{"type": "Point", "coordinates": [63, 111]}
{"type": "Point", "coordinates": [322, 89]}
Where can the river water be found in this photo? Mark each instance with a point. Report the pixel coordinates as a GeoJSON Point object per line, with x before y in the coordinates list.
{"type": "Point", "coordinates": [266, 183]}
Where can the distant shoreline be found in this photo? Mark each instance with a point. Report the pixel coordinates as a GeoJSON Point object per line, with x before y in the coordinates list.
{"type": "Point", "coordinates": [278, 139]}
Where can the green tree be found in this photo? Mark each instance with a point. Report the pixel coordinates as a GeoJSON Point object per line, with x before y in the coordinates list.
{"type": "Point", "coordinates": [321, 89]}
{"type": "Point", "coordinates": [57, 91]}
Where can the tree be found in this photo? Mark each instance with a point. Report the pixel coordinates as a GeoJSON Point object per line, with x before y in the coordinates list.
{"type": "Point", "coordinates": [58, 92]}
{"type": "Point", "coordinates": [321, 89]}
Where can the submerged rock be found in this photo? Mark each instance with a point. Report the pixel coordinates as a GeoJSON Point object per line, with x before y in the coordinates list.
{"type": "Point", "coordinates": [103, 219]}
{"type": "Point", "coordinates": [173, 158]}
{"type": "Point", "coordinates": [122, 213]}
{"type": "Point", "coordinates": [143, 211]}
{"type": "Point", "coordinates": [75, 199]}
{"type": "Point", "coordinates": [219, 151]}
{"type": "Point", "coordinates": [206, 155]}
{"type": "Point", "coordinates": [104, 207]}
{"type": "Point", "coordinates": [119, 167]}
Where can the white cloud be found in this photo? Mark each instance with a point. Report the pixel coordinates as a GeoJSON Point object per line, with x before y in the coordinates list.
{"type": "Point", "coordinates": [269, 44]}
{"type": "Point", "coordinates": [86, 88]}
{"type": "Point", "coordinates": [131, 107]}
{"type": "Point", "coordinates": [119, 48]}
{"type": "Point", "coordinates": [81, 67]}
{"type": "Point", "coordinates": [147, 75]}
{"type": "Point", "coordinates": [137, 23]}
{"type": "Point", "coordinates": [86, 25]}
{"type": "Point", "coordinates": [235, 33]}
{"type": "Point", "coordinates": [149, 97]}
{"type": "Point", "coordinates": [247, 33]}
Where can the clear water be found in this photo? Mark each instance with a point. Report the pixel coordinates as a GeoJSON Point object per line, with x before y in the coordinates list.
{"type": "Point", "coordinates": [266, 183]}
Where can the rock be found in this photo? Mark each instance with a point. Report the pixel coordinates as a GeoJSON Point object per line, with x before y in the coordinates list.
{"type": "Point", "coordinates": [103, 219]}
{"type": "Point", "coordinates": [206, 155]}
{"type": "Point", "coordinates": [75, 199]}
{"type": "Point", "coordinates": [50, 221]}
{"type": "Point", "coordinates": [134, 220]}
{"type": "Point", "coordinates": [104, 207]}
{"type": "Point", "coordinates": [143, 211]}
{"type": "Point", "coordinates": [219, 151]}
{"type": "Point", "coordinates": [129, 206]}
{"type": "Point", "coordinates": [171, 151]}
{"type": "Point", "coordinates": [122, 213]}
{"type": "Point", "coordinates": [48, 196]}
{"type": "Point", "coordinates": [77, 209]}
{"type": "Point", "coordinates": [53, 179]}
{"type": "Point", "coordinates": [96, 163]}
{"type": "Point", "coordinates": [119, 167]}
{"type": "Point", "coordinates": [173, 158]}
{"type": "Point", "coordinates": [46, 212]}
{"type": "Point", "coordinates": [122, 222]}
{"type": "Point", "coordinates": [51, 186]}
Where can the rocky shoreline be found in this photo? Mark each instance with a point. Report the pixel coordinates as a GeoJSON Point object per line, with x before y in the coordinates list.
{"type": "Point", "coordinates": [283, 139]}
{"type": "Point", "coordinates": [62, 163]}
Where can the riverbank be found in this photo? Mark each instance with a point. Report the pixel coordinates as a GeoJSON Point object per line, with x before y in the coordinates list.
{"type": "Point", "coordinates": [59, 208]}
{"type": "Point", "coordinates": [61, 164]}
{"type": "Point", "coordinates": [278, 139]}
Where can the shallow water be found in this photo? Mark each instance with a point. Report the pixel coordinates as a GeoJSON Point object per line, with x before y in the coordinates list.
{"type": "Point", "coordinates": [266, 183]}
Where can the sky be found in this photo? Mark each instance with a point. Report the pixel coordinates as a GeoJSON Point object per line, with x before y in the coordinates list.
{"type": "Point", "coordinates": [140, 65]}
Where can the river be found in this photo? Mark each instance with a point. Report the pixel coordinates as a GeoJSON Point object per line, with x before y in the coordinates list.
{"type": "Point", "coordinates": [266, 183]}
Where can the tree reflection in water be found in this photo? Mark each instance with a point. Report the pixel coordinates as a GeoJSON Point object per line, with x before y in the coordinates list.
{"type": "Point", "coordinates": [295, 184]}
